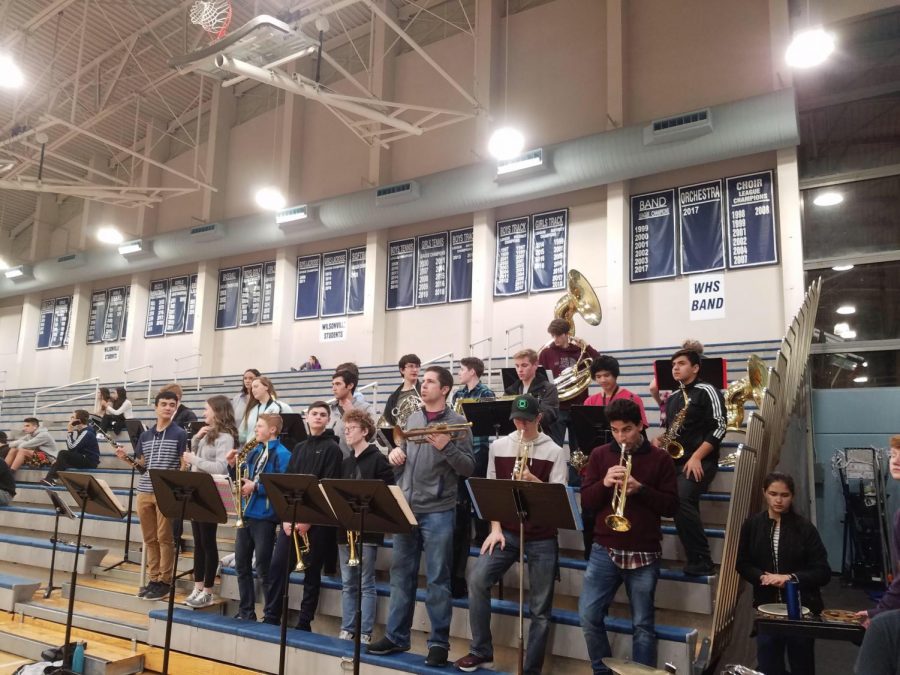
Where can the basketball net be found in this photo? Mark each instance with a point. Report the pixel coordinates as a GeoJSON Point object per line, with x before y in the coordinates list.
{"type": "Point", "coordinates": [213, 16]}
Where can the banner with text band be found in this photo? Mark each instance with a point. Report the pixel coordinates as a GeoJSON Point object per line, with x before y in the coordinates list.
{"type": "Point", "coordinates": [751, 220]}
{"type": "Point", "coordinates": [115, 314]}
{"type": "Point", "coordinates": [549, 250]}
{"type": "Point", "coordinates": [308, 275]}
{"type": "Point", "coordinates": [401, 274]}
{"type": "Point", "coordinates": [334, 283]}
{"type": "Point", "coordinates": [191, 306]}
{"type": "Point", "coordinates": [356, 285]}
{"type": "Point", "coordinates": [702, 228]}
{"type": "Point", "coordinates": [97, 317]}
{"type": "Point", "coordinates": [431, 268]}
{"type": "Point", "coordinates": [156, 308]}
{"type": "Point", "coordinates": [125, 309]}
{"type": "Point", "coordinates": [461, 251]}
{"type": "Point", "coordinates": [251, 294]}
{"type": "Point", "coordinates": [176, 308]}
{"type": "Point", "coordinates": [45, 324]}
{"type": "Point", "coordinates": [228, 301]}
{"type": "Point", "coordinates": [653, 236]}
{"type": "Point", "coordinates": [268, 292]}
{"type": "Point", "coordinates": [511, 263]}
{"type": "Point", "coordinates": [60, 328]}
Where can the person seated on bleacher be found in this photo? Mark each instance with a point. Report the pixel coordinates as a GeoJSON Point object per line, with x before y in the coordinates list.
{"type": "Point", "coordinates": [263, 401]}
{"type": "Point", "coordinates": [101, 401]}
{"type": "Point", "coordinates": [7, 484]}
{"type": "Point", "coordinates": [4, 445]}
{"type": "Point", "coordinates": [183, 415]}
{"type": "Point", "coordinates": [36, 443]}
{"type": "Point", "coordinates": [82, 450]}
{"type": "Point", "coordinates": [312, 363]}
{"type": "Point", "coordinates": [239, 401]}
{"type": "Point", "coordinates": [343, 386]}
{"type": "Point", "coordinates": [118, 410]}
{"type": "Point", "coordinates": [662, 396]}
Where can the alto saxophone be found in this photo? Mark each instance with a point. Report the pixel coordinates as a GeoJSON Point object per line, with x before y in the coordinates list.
{"type": "Point", "coordinates": [667, 440]}
{"type": "Point", "coordinates": [239, 462]}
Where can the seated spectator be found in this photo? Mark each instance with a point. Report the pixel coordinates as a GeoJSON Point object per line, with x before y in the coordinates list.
{"type": "Point", "coordinates": [118, 410]}
{"type": "Point", "coordinates": [101, 402]}
{"type": "Point", "coordinates": [312, 363]}
{"type": "Point", "coordinates": [82, 451]}
{"type": "Point", "coordinates": [183, 415]}
{"type": "Point", "coordinates": [239, 400]}
{"type": "Point", "coordinates": [7, 484]}
{"type": "Point", "coordinates": [35, 446]}
{"type": "Point", "coordinates": [4, 445]}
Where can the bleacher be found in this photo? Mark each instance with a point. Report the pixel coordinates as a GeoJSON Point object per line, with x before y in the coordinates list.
{"type": "Point", "coordinates": [105, 598]}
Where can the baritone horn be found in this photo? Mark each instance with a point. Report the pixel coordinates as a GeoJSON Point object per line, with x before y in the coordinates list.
{"type": "Point", "coordinates": [616, 521]}
{"type": "Point", "coordinates": [239, 462]}
{"type": "Point", "coordinates": [300, 550]}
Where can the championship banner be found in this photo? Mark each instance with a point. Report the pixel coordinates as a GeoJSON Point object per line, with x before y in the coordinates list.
{"type": "Point", "coordinates": [176, 309]}
{"type": "Point", "coordinates": [229, 298]}
{"type": "Point", "coordinates": [461, 249]}
{"type": "Point", "coordinates": [334, 283]}
{"type": "Point", "coordinates": [653, 236]}
{"type": "Point", "coordinates": [702, 239]}
{"type": "Point", "coordinates": [268, 293]}
{"type": "Point", "coordinates": [401, 274]}
{"type": "Point", "coordinates": [191, 306]}
{"type": "Point", "coordinates": [549, 250]}
{"type": "Point", "coordinates": [751, 220]}
{"type": "Point", "coordinates": [511, 263]}
{"type": "Point", "coordinates": [251, 294]}
{"type": "Point", "coordinates": [431, 268]}
{"type": "Point", "coordinates": [45, 324]}
{"type": "Point", "coordinates": [113, 324]}
{"type": "Point", "coordinates": [156, 309]}
{"type": "Point", "coordinates": [124, 332]}
{"type": "Point", "coordinates": [97, 317]}
{"type": "Point", "coordinates": [308, 275]}
{"type": "Point", "coordinates": [356, 287]}
{"type": "Point", "coordinates": [60, 328]}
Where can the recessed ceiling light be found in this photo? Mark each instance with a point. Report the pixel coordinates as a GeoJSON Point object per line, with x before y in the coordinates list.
{"type": "Point", "coordinates": [846, 309]}
{"type": "Point", "coordinates": [3, 265]}
{"type": "Point", "coordinates": [861, 379]}
{"type": "Point", "coordinates": [842, 268]}
{"type": "Point", "coordinates": [841, 327]}
{"type": "Point", "coordinates": [809, 48]}
{"type": "Point", "coordinates": [110, 235]}
{"type": "Point", "coordinates": [506, 143]}
{"type": "Point", "coordinates": [828, 199]}
{"type": "Point", "coordinates": [865, 364]}
{"type": "Point", "coordinates": [270, 199]}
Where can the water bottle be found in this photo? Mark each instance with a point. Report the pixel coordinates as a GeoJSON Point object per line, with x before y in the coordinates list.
{"type": "Point", "coordinates": [792, 598]}
{"type": "Point", "coordinates": [78, 659]}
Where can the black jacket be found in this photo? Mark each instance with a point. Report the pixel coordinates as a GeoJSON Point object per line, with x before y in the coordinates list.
{"type": "Point", "coordinates": [183, 416]}
{"type": "Point", "coordinates": [371, 464]}
{"type": "Point", "coordinates": [318, 456]}
{"type": "Point", "coordinates": [545, 392]}
{"type": "Point", "coordinates": [801, 553]}
{"type": "Point", "coordinates": [7, 482]}
{"type": "Point", "coordinates": [705, 419]}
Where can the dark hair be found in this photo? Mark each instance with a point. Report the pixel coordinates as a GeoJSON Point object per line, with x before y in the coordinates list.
{"type": "Point", "coordinates": [3, 437]}
{"type": "Point", "coordinates": [165, 395]}
{"type": "Point", "coordinates": [121, 395]}
{"type": "Point", "coordinates": [776, 477]}
{"type": "Point", "coordinates": [691, 355]}
{"type": "Point", "coordinates": [104, 394]}
{"type": "Point", "coordinates": [693, 345]}
{"type": "Point", "coordinates": [82, 416]}
{"type": "Point", "coordinates": [559, 327]}
{"type": "Point", "coordinates": [32, 420]}
{"type": "Point", "coordinates": [445, 379]}
{"type": "Point", "coordinates": [605, 362]}
{"type": "Point", "coordinates": [223, 419]}
{"type": "Point", "coordinates": [406, 359]}
{"type": "Point", "coordinates": [352, 367]}
{"type": "Point", "coordinates": [320, 404]}
{"type": "Point", "coordinates": [350, 378]}
{"type": "Point", "coordinates": [273, 420]}
{"type": "Point", "coordinates": [623, 410]}
{"type": "Point", "coordinates": [244, 389]}
{"type": "Point", "coordinates": [362, 418]}
{"type": "Point", "coordinates": [473, 363]}
{"type": "Point", "coordinates": [314, 359]}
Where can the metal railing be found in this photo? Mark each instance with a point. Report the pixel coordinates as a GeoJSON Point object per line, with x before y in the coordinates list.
{"type": "Point", "coordinates": [3, 374]}
{"type": "Point", "coordinates": [37, 395]}
{"type": "Point", "coordinates": [374, 387]}
{"type": "Point", "coordinates": [520, 343]}
{"type": "Point", "coordinates": [490, 357]}
{"type": "Point", "coordinates": [439, 357]}
{"type": "Point", "coordinates": [187, 369]}
{"type": "Point", "coordinates": [148, 379]}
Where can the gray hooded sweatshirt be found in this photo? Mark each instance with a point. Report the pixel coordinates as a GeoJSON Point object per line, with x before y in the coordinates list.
{"type": "Point", "coordinates": [39, 440]}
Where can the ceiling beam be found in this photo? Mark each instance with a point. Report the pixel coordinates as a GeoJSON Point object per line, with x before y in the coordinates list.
{"type": "Point", "coordinates": [35, 22]}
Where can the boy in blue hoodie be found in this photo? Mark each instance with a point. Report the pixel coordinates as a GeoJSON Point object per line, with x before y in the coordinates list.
{"type": "Point", "coordinates": [258, 533]}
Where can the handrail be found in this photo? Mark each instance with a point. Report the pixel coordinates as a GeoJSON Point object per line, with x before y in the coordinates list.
{"type": "Point", "coordinates": [372, 385]}
{"type": "Point", "coordinates": [148, 379]}
{"type": "Point", "coordinates": [521, 341]}
{"type": "Point", "coordinates": [490, 357]}
{"type": "Point", "coordinates": [4, 373]}
{"type": "Point", "coordinates": [196, 367]}
{"type": "Point", "coordinates": [95, 380]}
{"type": "Point", "coordinates": [439, 357]}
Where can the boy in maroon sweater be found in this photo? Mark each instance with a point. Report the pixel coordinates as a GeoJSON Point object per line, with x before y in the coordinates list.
{"type": "Point", "coordinates": [631, 557]}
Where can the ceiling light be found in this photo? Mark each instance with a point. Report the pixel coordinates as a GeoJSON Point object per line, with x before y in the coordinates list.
{"type": "Point", "coordinates": [828, 199]}
{"type": "Point", "coordinates": [136, 249]}
{"type": "Point", "coordinates": [506, 143]}
{"type": "Point", "coordinates": [11, 76]}
{"type": "Point", "coordinates": [809, 48]}
{"type": "Point", "coordinates": [3, 265]}
{"type": "Point", "coordinates": [19, 273]}
{"type": "Point", "coordinates": [865, 364]}
{"type": "Point", "coordinates": [109, 235]}
{"type": "Point", "coordinates": [270, 199]}
{"type": "Point", "coordinates": [848, 334]}
{"type": "Point", "coordinates": [842, 268]}
{"type": "Point", "coordinates": [846, 309]}
{"type": "Point", "coordinates": [841, 328]}
{"type": "Point", "coordinates": [528, 160]}
{"type": "Point", "coordinates": [861, 379]}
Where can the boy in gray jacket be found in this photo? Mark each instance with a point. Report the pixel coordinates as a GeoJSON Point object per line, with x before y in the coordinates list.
{"type": "Point", "coordinates": [428, 472]}
{"type": "Point", "coordinates": [35, 438]}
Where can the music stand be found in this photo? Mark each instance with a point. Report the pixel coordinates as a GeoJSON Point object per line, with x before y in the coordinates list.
{"type": "Point", "coordinates": [293, 430]}
{"type": "Point", "coordinates": [367, 506]}
{"type": "Point", "coordinates": [541, 504]}
{"type": "Point", "coordinates": [61, 509]}
{"type": "Point", "coordinates": [591, 426]}
{"type": "Point", "coordinates": [489, 418]}
{"type": "Point", "coordinates": [125, 558]}
{"type": "Point", "coordinates": [510, 377]}
{"type": "Point", "coordinates": [135, 429]}
{"type": "Point", "coordinates": [180, 495]}
{"type": "Point", "coordinates": [98, 500]}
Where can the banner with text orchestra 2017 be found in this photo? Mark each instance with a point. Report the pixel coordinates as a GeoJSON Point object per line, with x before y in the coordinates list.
{"type": "Point", "coordinates": [653, 236]}
{"type": "Point", "coordinates": [702, 237]}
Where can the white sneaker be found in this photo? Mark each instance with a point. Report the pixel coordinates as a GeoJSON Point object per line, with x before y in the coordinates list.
{"type": "Point", "coordinates": [193, 596]}
{"type": "Point", "coordinates": [345, 635]}
{"type": "Point", "coordinates": [365, 639]}
{"type": "Point", "coordinates": [203, 599]}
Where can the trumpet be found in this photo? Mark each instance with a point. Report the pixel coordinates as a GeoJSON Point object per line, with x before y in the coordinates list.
{"type": "Point", "coordinates": [521, 457]}
{"type": "Point", "coordinates": [239, 462]}
{"type": "Point", "coordinates": [616, 521]}
{"type": "Point", "coordinates": [352, 542]}
{"type": "Point", "coordinates": [300, 550]}
{"type": "Point", "coordinates": [455, 430]}
{"type": "Point", "coordinates": [667, 440]}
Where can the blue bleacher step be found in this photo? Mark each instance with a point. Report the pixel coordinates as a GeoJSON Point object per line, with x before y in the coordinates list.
{"type": "Point", "coordinates": [37, 551]}
{"type": "Point", "coordinates": [15, 589]}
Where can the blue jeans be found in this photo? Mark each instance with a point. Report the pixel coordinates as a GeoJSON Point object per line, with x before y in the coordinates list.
{"type": "Point", "coordinates": [601, 581]}
{"type": "Point", "coordinates": [543, 556]}
{"type": "Point", "coordinates": [434, 535]}
{"type": "Point", "coordinates": [349, 576]}
{"type": "Point", "coordinates": [259, 536]}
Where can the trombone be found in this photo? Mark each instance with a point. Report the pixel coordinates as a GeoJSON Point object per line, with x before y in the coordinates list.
{"type": "Point", "coordinates": [616, 520]}
{"type": "Point", "coordinates": [300, 550]}
{"type": "Point", "coordinates": [455, 431]}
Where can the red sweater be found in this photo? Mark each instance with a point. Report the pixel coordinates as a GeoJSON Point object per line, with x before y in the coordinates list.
{"type": "Point", "coordinates": [655, 470]}
{"type": "Point", "coordinates": [620, 392]}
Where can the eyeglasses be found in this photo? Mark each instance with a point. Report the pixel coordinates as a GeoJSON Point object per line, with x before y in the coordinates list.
{"type": "Point", "coordinates": [352, 427]}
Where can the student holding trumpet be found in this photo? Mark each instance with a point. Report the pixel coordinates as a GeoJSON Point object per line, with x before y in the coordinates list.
{"type": "Point", "coordinates": [629, 484]}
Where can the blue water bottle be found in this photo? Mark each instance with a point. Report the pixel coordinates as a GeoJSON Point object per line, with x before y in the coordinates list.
{"type": "Point", "coordinates": [792, 598]}
{"type": "Point", "coordinates": [78, 658]}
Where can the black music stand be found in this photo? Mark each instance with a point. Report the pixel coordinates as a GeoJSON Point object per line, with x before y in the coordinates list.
{"type": "Point", "coordinates": [125, 558]}
{"type": "Point", "coordinates": [97, 499]}
{"type": "Point", "coordinates": [366, 506]}
{"type": "Point", "coordinates": [293, 430]}
{"type": "Point", "coordinates": [541, 504]}
{"type": "Point", "coordinates": [61, 509]}
{"type": "Point", "coordinates": [510, 377]}
{"type": "Point", "coordinates": [591, 426]}
{"type": "Point", "coordinates": [489, 418]}
{"type": "Point", "coordinates": [180, 495]}
{"type": "Point", "coordinates": [296, 498]}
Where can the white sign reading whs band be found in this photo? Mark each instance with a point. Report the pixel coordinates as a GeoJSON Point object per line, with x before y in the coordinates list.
{"type": "Point", "coordinates": [333, 330]}
{"type": "Point", "coordinates": [707, 296]}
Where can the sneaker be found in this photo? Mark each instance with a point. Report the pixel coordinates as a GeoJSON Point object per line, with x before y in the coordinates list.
{"type": "Point", "coordinates": [471, 662]}
{"type": "Point", "coordinates": [157, 592]}
{"type": "Point", "coordinates": [365, 639]}
{"type": "Point", "coordinates": [142, 591]}
{"type": "Point", "coordinates": [346, 635]}
{"type": "Point", "coordinates": [193, 596]}
{"type": "Point", "coordinates": [203, 600]}
{"type": "Point", "coordinates": [385, 646]}
{"type": "Point", "coordinates": [699, 569]}
{"type": "Point", "coordinates": [437, 657]}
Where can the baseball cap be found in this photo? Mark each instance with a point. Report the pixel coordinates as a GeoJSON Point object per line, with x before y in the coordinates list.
{"type": "Point", "coordinates": [525, 407]}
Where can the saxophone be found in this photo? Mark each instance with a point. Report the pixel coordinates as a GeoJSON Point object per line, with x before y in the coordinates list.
{"type": "Point", "coordinates": [239, 462]}
{"type": "Point", "coordinates": [667, 440]}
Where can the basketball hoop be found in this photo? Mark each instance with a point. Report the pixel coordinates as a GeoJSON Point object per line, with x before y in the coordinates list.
{"type": "Point", "coordinates": [213, 16]}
